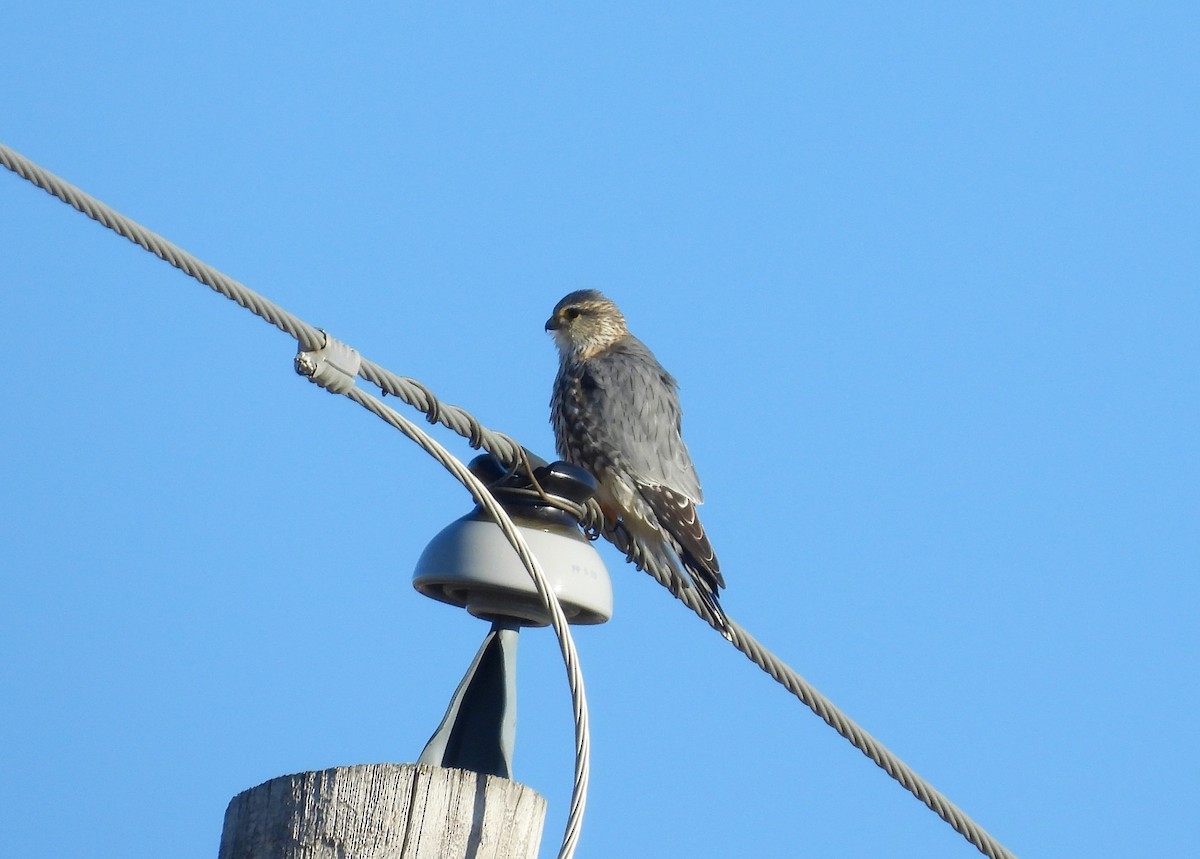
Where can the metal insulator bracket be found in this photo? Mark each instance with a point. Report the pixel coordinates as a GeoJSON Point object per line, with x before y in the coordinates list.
{"type": "Point", "coordinates": [334, 366]}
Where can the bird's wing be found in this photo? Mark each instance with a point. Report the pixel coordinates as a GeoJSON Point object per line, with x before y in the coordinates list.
{"type": "Point", "coordinates": [678, 518]}
{"type": "Point", "coordinates": [631, 408]}
{"type": "Point", "coordinates": [637, 412]}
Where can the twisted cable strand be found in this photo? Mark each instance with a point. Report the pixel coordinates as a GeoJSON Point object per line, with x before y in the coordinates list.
{"type": "Point", "coordinates": [868, 745]}
{"type": "Point", "coordinates": [165, 250]}
{"type": "Point", "coordinates": [824, 708]}
{"type": "Point", "coordinates": [453, 418]}
{"type": "Point", "coordinates": [509, 452]}
{"type": "Point", "coordinates": [409, 391]}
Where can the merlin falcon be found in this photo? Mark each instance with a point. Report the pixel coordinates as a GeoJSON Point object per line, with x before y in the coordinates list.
{"type": "Point", "coordinates": [616, 413]}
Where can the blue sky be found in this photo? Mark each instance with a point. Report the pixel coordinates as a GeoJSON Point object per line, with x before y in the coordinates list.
{"type": "Point", "coordinates": [928, 279]}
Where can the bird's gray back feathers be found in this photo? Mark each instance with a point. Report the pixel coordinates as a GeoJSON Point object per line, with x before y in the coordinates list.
{"type": "Point", "coordinates": [628, 406]}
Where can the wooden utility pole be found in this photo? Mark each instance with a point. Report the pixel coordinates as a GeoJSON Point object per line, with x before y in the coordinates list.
{"type": "Point", "coordinates": [385, 811]}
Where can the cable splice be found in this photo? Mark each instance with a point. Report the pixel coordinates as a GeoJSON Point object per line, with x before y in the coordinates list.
{"type": "Point", "coordinates": [334, 366]}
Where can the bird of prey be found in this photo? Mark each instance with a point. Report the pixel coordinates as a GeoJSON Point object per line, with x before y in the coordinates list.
{"type": "Point", "coordinates": [616, 414]}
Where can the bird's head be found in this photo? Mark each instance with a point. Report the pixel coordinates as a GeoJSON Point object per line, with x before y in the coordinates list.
{"type": "Point", "coordinates": [584, 323]}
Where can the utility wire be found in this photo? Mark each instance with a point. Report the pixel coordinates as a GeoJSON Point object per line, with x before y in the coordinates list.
{"type": "Point", "coordinates": [510, 453]}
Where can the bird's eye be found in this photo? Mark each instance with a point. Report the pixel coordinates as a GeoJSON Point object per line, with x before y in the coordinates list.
{"type": "Point", "coordinates": [572, 312]}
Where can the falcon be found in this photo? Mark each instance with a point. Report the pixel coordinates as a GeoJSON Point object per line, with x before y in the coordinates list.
{"type": "Point", "coordinates": [615, 413]}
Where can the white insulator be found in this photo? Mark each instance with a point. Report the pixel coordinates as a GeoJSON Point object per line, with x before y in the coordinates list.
{"type": "Point", "coordinates": [471, 564]}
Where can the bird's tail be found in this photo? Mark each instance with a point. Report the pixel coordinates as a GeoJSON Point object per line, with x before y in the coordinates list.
{"type": "Point", "coordinates": [702, 581]}
{"type": "Point", "coordinates": [686, 570]}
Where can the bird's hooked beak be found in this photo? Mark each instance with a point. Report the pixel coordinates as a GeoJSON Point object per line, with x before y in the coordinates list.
{"type": "Point", "coordinates": [553, 323]}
